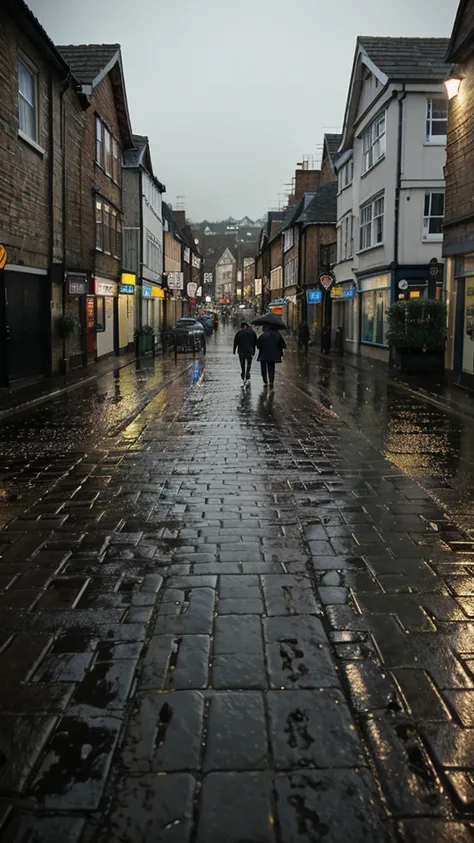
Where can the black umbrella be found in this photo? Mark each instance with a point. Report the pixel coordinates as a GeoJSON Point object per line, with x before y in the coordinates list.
{"type": "Point", "coordinates": [270, 319]}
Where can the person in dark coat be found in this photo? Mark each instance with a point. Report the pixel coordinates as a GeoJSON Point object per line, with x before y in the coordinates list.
{"type": "Point", "coordinates": [303, 336]}
{"type": "Point", "coordinates": [270, 346]}
{"type": "Point", "coordinates": [245, 342]}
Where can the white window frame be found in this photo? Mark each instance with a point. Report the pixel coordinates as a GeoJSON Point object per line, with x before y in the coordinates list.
{"type": "Point", "coordinates": [427, 235]}
{"type": "Point", "coordinates": [346, 175]}
{"type": "Point", "coordinates": [373, 143]}
{"type": "Point", "coordinates": [346, 240]}
{"type": "Point", "coordinates": [371, 223]}
{"type": "Point", "coordinates": [430, 139]}
{"type": "Point", "coordinates": [288, 239]}
{"type": "Point", "coordinates": [33, 71]}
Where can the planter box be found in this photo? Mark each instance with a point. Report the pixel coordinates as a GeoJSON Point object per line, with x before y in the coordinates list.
{"type": "Point", "coordinates": [416, 360]}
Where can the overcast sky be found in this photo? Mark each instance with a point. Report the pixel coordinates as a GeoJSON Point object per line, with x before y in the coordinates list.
{"type": "Point", "coordinates": [232, 94]}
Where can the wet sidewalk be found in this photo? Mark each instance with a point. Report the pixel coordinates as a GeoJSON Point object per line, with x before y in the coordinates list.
{"type": "Point", "coordinates": [234, 620]}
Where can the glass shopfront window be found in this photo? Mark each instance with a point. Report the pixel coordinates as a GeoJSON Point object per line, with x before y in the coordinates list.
{"type": "Point", "coordinates": [374, 303]}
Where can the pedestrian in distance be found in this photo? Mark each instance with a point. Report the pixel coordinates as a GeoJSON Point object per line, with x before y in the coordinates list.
{"type": "Point", "coordinates": [245, 343]}
{"type": "Point", "coordinates": [270, 346]}
{"type": "Point", "coordinates": [303, 336]}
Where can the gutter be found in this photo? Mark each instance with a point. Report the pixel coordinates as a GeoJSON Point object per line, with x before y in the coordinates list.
{"type": "Point", "coordinates": [399, 178]}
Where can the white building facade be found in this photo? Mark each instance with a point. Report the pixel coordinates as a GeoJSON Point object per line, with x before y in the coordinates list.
{"type": "Point", "coordinates": [390, 185]}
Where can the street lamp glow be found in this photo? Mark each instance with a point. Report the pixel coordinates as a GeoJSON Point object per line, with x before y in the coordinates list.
{"type": "Point", "coordinates": [208, 299]}
{"type": "Point", "coordinates": [452, 85]}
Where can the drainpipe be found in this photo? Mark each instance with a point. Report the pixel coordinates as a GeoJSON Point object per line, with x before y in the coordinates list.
{"type": "Point", "coordinates": [62, 118]}
{"type": "Point", "coordinates": [399, 179]}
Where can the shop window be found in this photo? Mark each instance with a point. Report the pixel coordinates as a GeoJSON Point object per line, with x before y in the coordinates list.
{"type": "Point", "coordinates": [374, 311]}
{"type": "Point", "coordinates": [100, 314]}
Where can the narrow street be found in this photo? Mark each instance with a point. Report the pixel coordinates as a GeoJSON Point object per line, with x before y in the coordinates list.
{"type": "Point", "coordinates": [229, 616]}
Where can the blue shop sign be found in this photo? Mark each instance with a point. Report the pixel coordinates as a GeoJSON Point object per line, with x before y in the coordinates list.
{"type": "Point", "coordinates": [146, 292]}
{"type": "Point", "coordinates": [127, 289]}
{"type": "Point", "coordinates": [314, 296]}
{"type": "Point", "coordinates": [348, 293]}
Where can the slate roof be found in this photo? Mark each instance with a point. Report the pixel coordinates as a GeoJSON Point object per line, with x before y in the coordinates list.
{"type": "Point", "coordinates": [134, 157]}
{"type": "Point", "coordinates": [294, 212]}
{"type": "Point", "coordinates": [32, 28]}
{"type": "Point", "coordinates": [323, 206]}
{"type": "Point", "coordinates": [88, 60]}
{"type": "Point", "coordinates": [408, 59]}
{"type": "Point", "coordinates": [333, 143]}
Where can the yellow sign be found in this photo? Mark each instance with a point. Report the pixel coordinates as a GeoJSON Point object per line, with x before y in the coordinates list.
{"type": "Point", "coordinates": [336, 293]}
{"type": "Point", "coordinates": [3, 256]}
{"type": "Point", "coordinates": [128, 278]}
{"type": "Point", "coordinates": [157, 293]}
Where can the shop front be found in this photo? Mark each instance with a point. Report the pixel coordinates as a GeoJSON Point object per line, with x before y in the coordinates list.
{"type": "Point", "coordinates": [153, 299]}
{"type": "Point", "coordinates": [374, 302]}
{"type": "Point", "coordinates": [463, 341]}
{"type": "Point", "coordinates": [106, 295]}
{"type": "Point", "coordinates": [343, 320]}
{"type": "Point", "coordinates": [126, 312]}
{"type": "Point", "coordinates": [75, 293]}
{"type": "Point", "coordinates": [314, 312]}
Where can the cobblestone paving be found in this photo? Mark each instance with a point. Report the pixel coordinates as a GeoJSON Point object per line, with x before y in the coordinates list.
{"type": "Point", "coordinates": [234, 622]}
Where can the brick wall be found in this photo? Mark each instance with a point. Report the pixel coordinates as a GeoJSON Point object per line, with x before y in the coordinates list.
{"type": "Point", "coordinates": [306, 181]}
{"type": "Point", "coordinates": [460, 152]}
{"type": "Point", "coordinates": [25, 204]}
{"type": "Point", "coordinates": [314, 237]}
{"type": "Point", "coordinates": [327, 172]}
{"type": "Point", "coordinates": [466, 25]}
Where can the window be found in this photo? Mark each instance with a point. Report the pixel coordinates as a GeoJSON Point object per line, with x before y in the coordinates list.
{"type": "Point", "coordinates": [346, 175]}
{"type": "Point", "coordinates": [108, 229]}
{"type": "Point", "coordinates": [288, 240]}
{"type": "Point", "coordinates": [116, 161]}
{"type": "Point", "coordinates": [436, 121]}
{"type": "Point", "coordinates": [107, 151]}
{"type": "Point", "coordinates": [98, 141]}
{"type": "Point", "coordinates": [153, 254]}
{"type": "Point", "coordinates": [347, 237]}
{"type": "Point", "coordinates": [371, 223]}
{"type": "Point", "coordinates": [99, 240]}
{"type": "Point", "coordinates": [27, 101]}
{"type": "Point", "coordinates": [433, 216]}
{"type": "Point", "coordinates": [374, 304]}
{"type": "Point", "coordinates": [100, 313]}
{"type": "Point", "coordinates": [373, 143]}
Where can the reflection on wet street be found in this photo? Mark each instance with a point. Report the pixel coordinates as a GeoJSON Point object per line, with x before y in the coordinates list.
{"type": "Point", "coordinates": [233, 615]}
{"type": "Point", "coordinates": [426, 442]}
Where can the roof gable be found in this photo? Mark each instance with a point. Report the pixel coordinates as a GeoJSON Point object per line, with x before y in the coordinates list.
{"type": "Point", "coordinates": [392, 60]}
{"type": "Point", "coordinates": [90, 64]}
{"type": "Point", "coordinates": [226, 257]}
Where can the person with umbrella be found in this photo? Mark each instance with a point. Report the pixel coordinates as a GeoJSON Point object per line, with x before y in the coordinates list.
{"type": "Point", "coordinates": [245, 342]}
{"type": "Point", "coordinates": [270, 346]}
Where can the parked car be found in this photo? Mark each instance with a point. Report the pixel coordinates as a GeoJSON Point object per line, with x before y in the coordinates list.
{"type": "Point", "coordinates": [189, 335]}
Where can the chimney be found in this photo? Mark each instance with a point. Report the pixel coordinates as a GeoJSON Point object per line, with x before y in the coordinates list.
{"type": "Point", "coordinates": [307, 181]}
{"type": "Point", "coordinates": [180, 217]}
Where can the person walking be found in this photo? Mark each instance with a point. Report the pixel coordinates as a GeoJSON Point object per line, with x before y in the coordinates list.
{"type": "Point", "coordinates": [270, 346]}
{"type": "Point", "coordinates": [303, 336]}
{"type": "Point", "coordinates": [245, 342]}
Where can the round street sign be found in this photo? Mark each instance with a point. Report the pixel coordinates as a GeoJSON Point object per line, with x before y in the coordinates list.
{"type": "Point", "coordinates": [435, 270]}
{"type": "Point", "coordinates": [3, 256]}
{"type": "Point", "coordinates": [326, 280]}
{"type": "Point", "coordinates": [403, 284]}
{"type": "Point", "coordinates": [191, 289]}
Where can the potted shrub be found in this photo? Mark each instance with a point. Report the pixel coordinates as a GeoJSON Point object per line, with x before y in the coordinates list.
{"type": "Point", "coordinates": [144, 339]}
{"type": "Point", "coordinates": [66, 325]}
{"type": "Point", "coordinates": [417, 335]}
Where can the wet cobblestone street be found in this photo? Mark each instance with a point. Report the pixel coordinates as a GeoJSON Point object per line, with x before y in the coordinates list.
{"type": "Point", "coordinates": [240, 617]}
